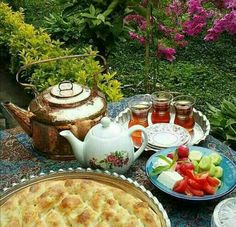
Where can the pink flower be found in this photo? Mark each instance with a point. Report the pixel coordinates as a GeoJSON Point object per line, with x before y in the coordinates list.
{"type": "Point", "coordinates": [227, 23]}
{"type": "Point", "coordinates": [167, 52]}
{"type": "Point", "coordinates": [175, 8]}
{"type": "Point", "coordinates": [137, 37]}
{"type": "Point", "coordinates": [194, 6]}
{"type": "Point", "coordinates": [143, 25]}
{"type": "Point", "coordinates": [165, 29]}
{"type": "Point", "coordinates": [139, 20]}
{"type": "Point", "coordinates": [230, 4]}
{"type": "Point", "coordinates": [178, 37]}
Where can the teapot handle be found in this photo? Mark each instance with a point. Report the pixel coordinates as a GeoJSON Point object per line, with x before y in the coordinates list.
{"type": "Point", "coordinates": [144, 142]}
{"type": "Point", "coordinates": [33, 87]}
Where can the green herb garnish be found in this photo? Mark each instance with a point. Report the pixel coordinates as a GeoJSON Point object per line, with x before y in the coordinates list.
{"type": "Point", "coordinates": [160, 169]}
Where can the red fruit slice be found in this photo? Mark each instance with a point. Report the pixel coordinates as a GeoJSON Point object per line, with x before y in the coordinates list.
{"type": "Point", "coordinates": [188, 192]}
{"type": "Point", "coordinates": [185, 166]}
{"type": "Point", "coordinates": [180, 186]}
{"type": "Point", "coordinates": [195, 191]}
{"type": "Point", "coordinates": [213, 181]}
{"type": "Point", "coordinates": [194, 184]}
{"type": "Point", "coordinates": [201, 178]}
{"type": "Point", "coordinates": [189, 173]}
{"type": "Point", "coordinates": [183, 151]}
{"type": "Point", "coordinates": [208, 189]}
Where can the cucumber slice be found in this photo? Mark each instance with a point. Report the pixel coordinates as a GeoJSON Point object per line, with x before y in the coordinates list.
{"type": "Point", "coordinates": [212, 170]}
{"type": "Point", "coordinates": [205, 163]}
{"type": "Point", "coordinates": [218, 172]}
{"type": "Point", "coordinates": [195, 155]}
{"type": "Point", "coordinates": [215, 158]}
{"type": "Point", "coordinates": [196, 167]}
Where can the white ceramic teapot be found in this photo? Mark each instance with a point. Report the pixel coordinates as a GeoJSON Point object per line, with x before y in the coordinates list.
{"type": "Point", "coordinates": [107, 146]}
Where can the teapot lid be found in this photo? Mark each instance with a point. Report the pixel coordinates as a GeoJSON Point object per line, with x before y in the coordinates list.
{"type": "Point", "coordinates": [106, 129]}
{"type": "Point", "coordinates": [66, 94]}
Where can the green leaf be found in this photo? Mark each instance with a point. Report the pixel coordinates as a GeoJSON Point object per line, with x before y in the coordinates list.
{"type": "Point", "coordinates": [231, 131]}
{"type": "Point", "coordinates": [92, 9]}
{"type": "Point", "coordinates": [212, 108]}
{"type": "Point", "coordinates": [111, 8]}
{"type": "Point", "coordinates": [159, 169]}
{"type": "Point", "coordinates": [87, 15]}
{"type": "Point", "coordinates": [230, 122]}
{"type": "Point", "coordinates": [165, 159]}
{"type": "Point", "coordinates": [101, 17]}
{"type": "Point", "coordinates": [229, 137]}
{"type": "Point", "coordinates": [228, 108]}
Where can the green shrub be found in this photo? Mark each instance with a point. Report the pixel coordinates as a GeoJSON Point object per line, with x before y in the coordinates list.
{"type": "Point", "coordinates": [27, 44]}
{"type": "Point", "coordinates": [34, 10]}
{"type": "Point", "coordinates": [99, 22]}
{"type": "Point", "coordinates": [223, 121]}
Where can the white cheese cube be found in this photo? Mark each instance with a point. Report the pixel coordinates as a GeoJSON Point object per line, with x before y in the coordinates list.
{"type": "Point", "coordinates": [169, 178]}
{"type": "Point", "coordinates": [160, 162]}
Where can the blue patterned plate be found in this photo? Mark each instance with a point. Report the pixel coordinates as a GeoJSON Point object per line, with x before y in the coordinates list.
{"type": "Point", "coordinates": [228, 179]}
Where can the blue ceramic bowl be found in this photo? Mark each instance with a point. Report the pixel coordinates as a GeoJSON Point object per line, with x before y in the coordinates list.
{"type": "Point", "coordinates": [228, 179]}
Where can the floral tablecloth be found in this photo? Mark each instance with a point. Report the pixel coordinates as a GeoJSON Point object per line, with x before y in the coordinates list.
{"type": "Point", "coordinates": [19, 160]}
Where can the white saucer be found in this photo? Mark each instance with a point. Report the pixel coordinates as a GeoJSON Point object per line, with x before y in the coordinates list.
{"type": "Point", "coordinates": [163, 135]}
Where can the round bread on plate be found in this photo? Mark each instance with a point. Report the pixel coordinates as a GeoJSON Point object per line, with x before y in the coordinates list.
{"type": "Point", "coordinates": [81, 199]}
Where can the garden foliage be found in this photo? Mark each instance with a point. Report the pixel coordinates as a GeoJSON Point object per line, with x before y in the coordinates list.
{"type": "Point", "coordinates": [223, 121]}
{"type": "Point", "coordinates": [27, 44]}
{"type": "Point", "coordinates": [99, 23]}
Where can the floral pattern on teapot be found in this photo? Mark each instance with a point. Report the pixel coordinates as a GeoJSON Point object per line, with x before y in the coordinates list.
{"type": "Point", "coordinates": [112, 160]}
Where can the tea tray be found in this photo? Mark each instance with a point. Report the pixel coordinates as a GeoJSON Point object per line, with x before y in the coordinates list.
{"type": "Point", "coordinates": [200, 131]}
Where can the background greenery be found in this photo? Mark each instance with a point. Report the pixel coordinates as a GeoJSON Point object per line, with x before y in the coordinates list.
{"type": "Point", "coordinates": [206, 70]}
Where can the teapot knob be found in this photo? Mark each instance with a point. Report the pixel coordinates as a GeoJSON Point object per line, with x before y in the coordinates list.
{"type": "Point", "coordinates": [105, 121]}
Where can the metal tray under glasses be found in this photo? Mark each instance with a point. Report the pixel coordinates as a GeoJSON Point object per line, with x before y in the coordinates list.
{"type": "Point", "coordinates": [200, 131]}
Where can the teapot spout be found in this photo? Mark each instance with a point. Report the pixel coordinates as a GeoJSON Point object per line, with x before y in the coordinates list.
{"type": "Point", "coordinates": [76, 144]}
{"type": "Point", "coordinates": [22, 116]}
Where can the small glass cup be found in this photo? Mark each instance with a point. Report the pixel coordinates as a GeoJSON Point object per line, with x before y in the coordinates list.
{"type": "Point", "coordinates": [139, 106]}
{"type": "Point", "coordinates": [161, 107]}
{"type": "Point", "coordinates": [184, 111]}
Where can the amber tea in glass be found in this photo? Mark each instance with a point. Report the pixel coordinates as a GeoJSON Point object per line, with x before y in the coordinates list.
{"type": "Point", "coordinates": [139, 115]}
{"type": "Point", "coordinates": [161, 107]}
{"type": "Point", "coordinates": [184, 111]}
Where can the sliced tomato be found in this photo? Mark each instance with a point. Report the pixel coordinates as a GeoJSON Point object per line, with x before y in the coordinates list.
{"type": "Point", "coordinates": [194, 191]}
{"type": "Point", "coordinates": [194, 184]}
{"type": "Point", "coordinates": [201, 178]}
{"type": "Point", "coordinates": [180, 186]}
{"type": "Point", "coordinates": [184, 167]}
{"type": "Point", "coordinates": [190, 174]}
{"type": "Point", "coordinates": [208, 189]}
{"type": "Point", "coordinates": [213, 181]}
{"type": "Point", "coordinates": [187, 191]}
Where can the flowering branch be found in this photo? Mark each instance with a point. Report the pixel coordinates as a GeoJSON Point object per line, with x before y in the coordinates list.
{"type": "Point", "coordinates": [181, 19]}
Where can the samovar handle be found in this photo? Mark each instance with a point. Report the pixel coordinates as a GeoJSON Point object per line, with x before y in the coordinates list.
{"type": "Point", "coordinates": [33, 87]}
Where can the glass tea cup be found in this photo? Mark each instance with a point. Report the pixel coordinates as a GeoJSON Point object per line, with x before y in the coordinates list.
{"type": "Point", "coordinates": [139, 106]}
{"type": "Point", "coordinates": [184, 111]}
{"type": "Point", "coordinates": [161, 107]}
